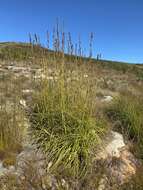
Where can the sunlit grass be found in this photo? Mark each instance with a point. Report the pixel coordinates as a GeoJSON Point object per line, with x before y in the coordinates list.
{"type": "Point", "coordinates": [127, 112]}
{"type": "Point", "coordinates": [62, 122]}
{"type": "Point", "coordinates": [11, 130]}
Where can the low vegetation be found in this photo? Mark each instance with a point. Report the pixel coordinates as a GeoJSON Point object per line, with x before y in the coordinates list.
{"type": "Point", "coordinates": [11, 116]}
{"type": "Point", "coordinates": [127, 114]}
{"type": "Point", "coordinates": [64, 104]}
{"type": "Point", "coordinates": [10, 131]}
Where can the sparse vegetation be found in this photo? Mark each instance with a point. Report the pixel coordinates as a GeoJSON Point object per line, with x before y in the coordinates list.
{"type": "Point", "coordinates": [65, 110]}
{"type": "Point", "coordinates": [126, 112]}
{"type": "Point", "coordinates": [136, 183]}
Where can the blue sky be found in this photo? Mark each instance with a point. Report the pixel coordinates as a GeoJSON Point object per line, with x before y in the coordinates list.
{"type": "Point", "coordinates": [117, 24]}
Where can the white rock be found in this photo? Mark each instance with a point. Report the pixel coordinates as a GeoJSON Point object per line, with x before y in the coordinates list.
{"type": "Point", "coordinates": [85, 76]}
{"type": "Point", "coordinates": [11, 168]}
{"type": "Point", "coordinates": [23, 103]}
{"type": "Point", "coordinates": [9, 67]}
{"type": "Point", "coordinates": [107, 98]}
{"type": "Point", "coordinates": [2, 169]}
{"type": "Point", "coordinates": [120, 163]}
{"type": "Point", "coordinates": [27, 91]}
{"type": "Point", "coordinates": [115, 146]}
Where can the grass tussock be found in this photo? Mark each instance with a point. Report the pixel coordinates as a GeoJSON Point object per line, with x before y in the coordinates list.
{"type": "Point", "coordinates": [63, 125]}
{"type": "Point", "coordinates": [11, 130]}
{"type": "Point", "coordinates": [127, 114]}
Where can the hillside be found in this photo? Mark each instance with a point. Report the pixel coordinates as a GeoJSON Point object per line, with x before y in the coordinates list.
{"type": "Point", "coordinates": [24, 48]}
{"type": "Point", "coordinates": [69, 122]}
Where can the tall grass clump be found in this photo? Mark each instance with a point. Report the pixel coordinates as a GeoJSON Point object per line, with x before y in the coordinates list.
{"type": "Point", "coordinates": [63, 126]}
{"type": "Point", "coordinates": [127, 113]}
{"type": "Point", "coordinates": [11, 115]}
{"type": "Point", "coordinates": [62, 121]}
{"type": "Point", "coordinates": [11, 130]}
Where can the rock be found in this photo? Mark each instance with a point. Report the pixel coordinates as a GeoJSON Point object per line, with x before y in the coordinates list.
{"type": "Point", "coordinates": [107, 98]}
{"type": "Point", "coordinates": [120, 164]}
{"type": "Point", "coordinates": [2, 169]}
{"type": "Point", "coordinates": [116, 145]}
{"type": "Point", "coordinates": [11, 168]}
{"type": "Point", "coordinates": [113, 147]}
{"type": "Point", "coordinates": [27, 91]}
{"type": "Point", "coordinates": [23, 103]}
{"type": "Point", "coordinates": [103, 183]}
{"type": "Point", "coordinates": [32, 158]}
{"type": "Point", "coordinates": [9, 67]}
{"type": "Point", "coordinates": [85, 76]}
{"type": "Point", "coordinates": [124, 167]}
{"type": "Point", "coordinates": [31, 168]}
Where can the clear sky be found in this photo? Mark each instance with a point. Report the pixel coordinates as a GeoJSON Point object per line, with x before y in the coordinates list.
{"type": "Point", "coordinates": [117, 24]}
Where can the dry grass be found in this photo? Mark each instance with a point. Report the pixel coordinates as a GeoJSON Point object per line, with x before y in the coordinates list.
{"type": "Point", "coordinates": [126, 112]}
{"type": "Point", "coordinates": [63, 112]}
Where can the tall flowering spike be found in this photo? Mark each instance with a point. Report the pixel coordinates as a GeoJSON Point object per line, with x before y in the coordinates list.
{"type": "Point", "coordinates": [30, 38]}
{"type": "Point", "coordinates": [91, 44]}
{"type": "Point", "coordinates": [54, 48]}
{"type": "Point", "coordinates": [76, 49]}
{"type": "Point", "coordinates": [57, 37]}
{"type": "Point", "coordinates": [63, 42]}
{"type": "Point", "coordinates": [70, 44]}
{"type": "Point", "coordinates": [48, 40]}
{"type": "Point", "coordinates": [68, 40]}
{"type": "Point", "coordinates": [79, 47]}
{"type": "Point", "coordinates": [36, 38]}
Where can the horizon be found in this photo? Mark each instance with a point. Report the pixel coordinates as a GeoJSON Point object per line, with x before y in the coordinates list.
{"type": "Point", "coordinates": [116, 25]}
